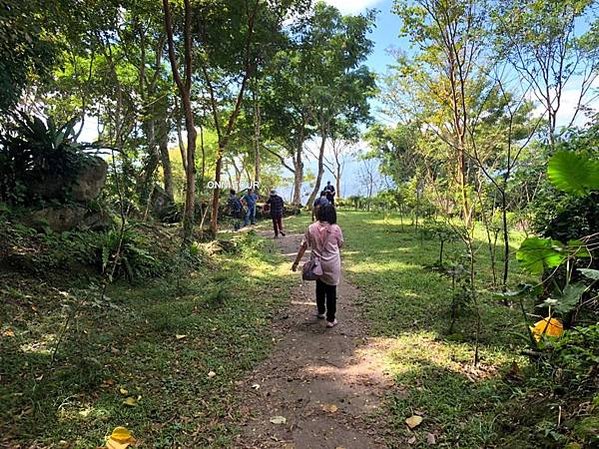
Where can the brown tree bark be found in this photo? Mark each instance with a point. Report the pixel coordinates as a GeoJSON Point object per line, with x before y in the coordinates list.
{"type": "Point", "coordinates": [165, 160]}
{"type": "Point", "coordinates": [184, 88]}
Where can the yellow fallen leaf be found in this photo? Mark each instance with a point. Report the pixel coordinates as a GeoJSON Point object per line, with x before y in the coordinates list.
{"type": "Point", "coordinates": [414, 421]}
{"type": "Point", "coordinates": [180, 336]}
{"type": "Point", "coordinates": [111, 444]}
{"type": "Point", "coordinates": [122, 435]}
{"type": "Point", "coordinates": [331, 408]}
{"type": "Point", "coordinates": [123, 391]}
{"type": "Point", "coordinates": [121, 438]}
{"type": "Point", "coordinates": [552, 327]}
{"type": "Point", "coordinates": [130, 401]}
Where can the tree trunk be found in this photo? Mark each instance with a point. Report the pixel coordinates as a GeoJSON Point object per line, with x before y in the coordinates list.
{"type": "Point", "coordinates": [298, 176]}
{"type": "Point", "coordinates": [506, 240]}
{"type": "Point", "coordinates": [316, 189]}
{"type": "Point", "coordinates": [167, 170]}
{"type": "Point", "coordinates": [216, 191]}
{"type": "Point", "coordinates": [184, 89]}
{"type": "Point", "coordinates": [256, 137]}
{"type": "Point", "coordinates": [338, 181]}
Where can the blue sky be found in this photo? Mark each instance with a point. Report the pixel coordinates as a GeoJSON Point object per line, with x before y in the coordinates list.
{"type": "Point", "coordinates": [386, 33]}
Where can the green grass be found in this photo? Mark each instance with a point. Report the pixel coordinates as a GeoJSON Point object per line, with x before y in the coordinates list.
{"type": "Point", "coordinates": [408, 307]}
{"type": "Point", "coordinates": [129, 342]}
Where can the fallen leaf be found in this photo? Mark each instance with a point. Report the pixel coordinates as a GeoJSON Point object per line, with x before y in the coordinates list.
{"type": "Point", "coordinates": [121, 438]}
{"type": "Point", "coordinates": [552, 327]}
{"type": "Point", "coordinates": [123, 391]}
{"type": "Point", "coordinates": [180, 336]}
{"type": "Point", "coordinates": [331, 408]}
{"type": "Point", "coordinates": [414, 421]}
{"type": "Point", "coordinates": [412, 440]}
{"type": "Point", "coordinates": [431, 439]}
{"type": "Point", "coordinates": [278, 420]}
{"type": "Point", "coordinates": [211, 374]}
{"type": "Point", "coordinates": [130, 401]}
{"type": "Point", "coordinates": [122, 435]}
{"type": "Point", "coordinates": [256, 386]}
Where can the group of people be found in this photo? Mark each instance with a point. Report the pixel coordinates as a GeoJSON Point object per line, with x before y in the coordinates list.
{"type": "Point", "coordinates": [323, 237]}
{"type": "Point", "coordinates": [244, 207]}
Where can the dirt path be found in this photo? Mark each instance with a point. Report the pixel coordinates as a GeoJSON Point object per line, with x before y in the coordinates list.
{"type": "Point", "coordinates": [327, 383]}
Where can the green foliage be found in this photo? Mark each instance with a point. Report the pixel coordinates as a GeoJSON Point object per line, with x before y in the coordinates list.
{"type": "Point", "coordinates": [34, 152]}
{"type": "Point", "coordinates": [573, 173]}
{"type": "Point", "coordinates": [537, 254]}
{"type": "Point", "coordinates": [129, 340]}
{"type": "Point", "coordinates": [27, 48]}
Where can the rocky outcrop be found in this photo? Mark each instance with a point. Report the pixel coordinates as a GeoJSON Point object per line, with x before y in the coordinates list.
{"type": "Point", "coordinates": [67, 217]}
{"type": "Point", "coordinates": [89, 181]}
{"type": "Point", "coordinates": [83, 186]}
{"type": "Point", "coordinates": [70, 197]}
{"type": "Point", "coordinates": [163, 206]}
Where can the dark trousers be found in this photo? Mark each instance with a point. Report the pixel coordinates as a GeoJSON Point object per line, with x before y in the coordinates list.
{"type": "Point", "coordinates": [329, 293]}
{"type": "Point", "coordinates": [277, 224]}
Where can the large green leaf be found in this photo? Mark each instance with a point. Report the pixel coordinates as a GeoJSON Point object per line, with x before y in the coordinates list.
{"type": "Point", "coordinates": [570, 298]}
{"type": "Point", "coordinates": [573, 173]}
{"type": "Point", "coordinates": [537, 254]}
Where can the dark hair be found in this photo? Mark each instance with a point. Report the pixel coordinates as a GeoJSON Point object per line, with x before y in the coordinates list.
{"type": "Point", "coordinates": [327, 213]}
{"type": "Point", "coordinates": [232, 191]}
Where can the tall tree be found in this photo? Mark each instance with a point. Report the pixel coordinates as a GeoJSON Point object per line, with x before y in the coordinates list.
{"type": "Point", "coordinates": [447, 74]}
{"type": "Point", "coordinates": [184, 85]}
{"type": "Point", "coordinates": [542, 41]}
{"type": "Point", "coordinates": [227, 65]}
{"type": "Point", "coordinates": [318, 86]}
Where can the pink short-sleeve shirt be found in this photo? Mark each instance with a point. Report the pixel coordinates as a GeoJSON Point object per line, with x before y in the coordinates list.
{"type": "Point", "coordinates": [316, 236]}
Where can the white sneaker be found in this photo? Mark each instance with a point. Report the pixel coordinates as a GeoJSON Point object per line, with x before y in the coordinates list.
{"type": "Point", "coordinates": [332, 323]}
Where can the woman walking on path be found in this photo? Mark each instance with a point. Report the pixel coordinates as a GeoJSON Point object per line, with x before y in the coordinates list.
{"type": "Point", "coordinates": [324, 237]}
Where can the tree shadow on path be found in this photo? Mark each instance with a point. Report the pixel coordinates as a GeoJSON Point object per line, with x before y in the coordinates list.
{"type": "Point", "coordinates": [328, 384]}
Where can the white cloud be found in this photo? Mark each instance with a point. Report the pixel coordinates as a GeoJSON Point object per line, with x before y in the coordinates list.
{"type": "Point", "coordinates": [352, 6]}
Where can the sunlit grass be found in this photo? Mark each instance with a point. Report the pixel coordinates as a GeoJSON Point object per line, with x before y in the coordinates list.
{"type": "Point", "coordinates": [157, 341]}
{"type": "Point", "coordinates": [408, 307]}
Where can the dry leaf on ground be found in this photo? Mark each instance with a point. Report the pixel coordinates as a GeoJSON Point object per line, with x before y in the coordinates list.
{"type": "Point", "coordinates": [414, 421]}
{"type": "Point", "coordinates": [278, 420]}
{"type": "Point", "coordinates": [431, 438]}
{"type": "Point", "coordinates": [120, 438]}
{"type": "Point", "coordinates": [130, 401]}
{"type": "Point", "coordinates": [331, 408]}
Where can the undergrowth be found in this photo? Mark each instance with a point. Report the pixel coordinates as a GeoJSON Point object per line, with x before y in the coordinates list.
{"type": "Point", "coordinates": [159, 355]}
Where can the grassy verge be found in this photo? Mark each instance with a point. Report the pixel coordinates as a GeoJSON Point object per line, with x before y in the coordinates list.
{"type": "Point", "coordinates": [172, 348]}
{"type": "Point", "coordinates": [498, 404]}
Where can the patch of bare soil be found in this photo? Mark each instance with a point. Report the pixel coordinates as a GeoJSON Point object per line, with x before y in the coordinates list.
{"type": "Point", "coordinates": [321, 388]}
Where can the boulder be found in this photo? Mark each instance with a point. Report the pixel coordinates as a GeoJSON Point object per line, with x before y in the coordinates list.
{"type": "Point", "coordinates": [67, 218]}
{"type": "Point", "coordinates": [59, 219]}
{"type": "Point", "coordinates": [163, 206]}
{"type": "Point", "coordinates": [82, 187]}
{"type": "Point", "coordinates": [89, 180]}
